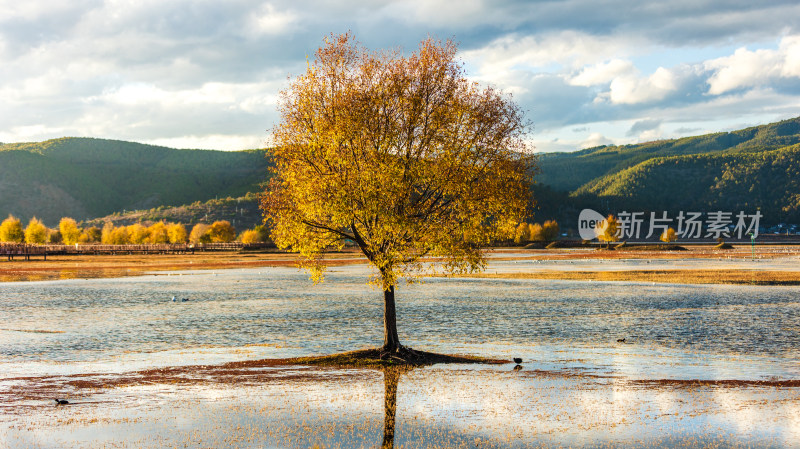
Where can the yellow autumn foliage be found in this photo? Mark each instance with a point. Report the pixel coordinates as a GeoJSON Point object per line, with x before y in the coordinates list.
{"type": "Point", "coordinates": [400, 154]}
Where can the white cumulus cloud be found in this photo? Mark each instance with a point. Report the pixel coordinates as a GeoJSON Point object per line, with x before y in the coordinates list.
{"type": "Point", "coordinates": [270, 21]}
{"type": "Point", "coordinates": [746, 68]}
{"type": "Point", "coordinates": [603, 73]}
{"type": "Point", "coordinates": [625, 83]}
{"type": "Point", "coordinates": [632, 89]}
{"type": "Point", "coordinates": [595, 140]}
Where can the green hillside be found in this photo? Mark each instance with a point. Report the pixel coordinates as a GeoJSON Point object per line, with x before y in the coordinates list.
{"type": "Point", "coordinates": [83, 178]}
{"type": "Point", "coordinates": [757, 167]}
{"type": "Point", "coordinates": [728, 181]}
{"type": "Point", "coordinates": [242, 212]}
{"type": "Point", "coordinates": [86, 178]}
{"type": "Point", "coordinates": [570, 171]}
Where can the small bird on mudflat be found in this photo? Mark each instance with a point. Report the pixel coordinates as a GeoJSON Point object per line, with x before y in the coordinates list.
{"type": "Point", "coordinates": [620, 340]}
{"type": "Point", "coordinates": [61, 401]}
{"type": "Point", "coordinates": [517, 360]}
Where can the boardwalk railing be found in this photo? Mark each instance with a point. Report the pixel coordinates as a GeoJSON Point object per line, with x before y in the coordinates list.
{"type": "Point", "coordinates": [12, 250]}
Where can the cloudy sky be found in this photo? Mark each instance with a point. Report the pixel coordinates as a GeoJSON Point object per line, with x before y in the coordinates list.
{"type": "Point", "coordinates": [205, 74]}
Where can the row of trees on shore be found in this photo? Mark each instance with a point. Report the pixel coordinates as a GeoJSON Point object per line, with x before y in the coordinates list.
{"type": "Point", "coordinates": [69, 232]}
{"type": "Point", "coordinates": [536, 232]}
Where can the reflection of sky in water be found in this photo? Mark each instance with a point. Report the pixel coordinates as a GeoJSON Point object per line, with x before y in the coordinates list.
{"type": "Point", "coordinates": [538, 261]}
{"type": "Point", "coordinates": [583, 395]}
{"type": "Point", "coordinates": [443, 406]}
{"type": "Point", "coordinates": [681, 331]}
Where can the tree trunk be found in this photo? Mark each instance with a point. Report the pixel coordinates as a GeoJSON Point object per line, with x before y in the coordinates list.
{"type": "Point", "coordinates": [390, 340]}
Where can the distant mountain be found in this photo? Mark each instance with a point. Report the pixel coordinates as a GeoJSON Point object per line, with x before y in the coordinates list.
{"type": "Point", "coordinates": [769, 180]}
{"type": "Point", "coordinates": [85, 178]}
{"type": "Point", "coordinates": [570, 171]}
{"type": "Point", "coordinates": [757, 167]}
{"type": "Point", "coordinates": [242, 212]}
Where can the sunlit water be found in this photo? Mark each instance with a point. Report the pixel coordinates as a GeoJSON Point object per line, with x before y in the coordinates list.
{"type": "Point", "coordinates": [702, 332]}
{"type": "Point", "coordinates": [278, 312]}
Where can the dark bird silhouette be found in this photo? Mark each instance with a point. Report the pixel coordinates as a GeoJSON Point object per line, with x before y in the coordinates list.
{"type": "Point", "coordinates": [620, 340]}
{"type": "Point", "coordinates": [184, 299]}
{"type": "Point", "coordinates": [517, 367]}
{"type": "Point", "coordinates": [517, 360]}
{"type": "Point", "coordinates": [61, 401]}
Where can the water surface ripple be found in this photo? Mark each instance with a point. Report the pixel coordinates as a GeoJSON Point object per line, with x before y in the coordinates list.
{"type": "Point", "coordinates": [711, 331]}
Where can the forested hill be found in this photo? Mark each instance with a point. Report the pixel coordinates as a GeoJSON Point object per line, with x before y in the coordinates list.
{"type": "Point", "coordinates": [86, 178]}
{"type": "Point", "coordinates": [768, 180]}
{"type": "Point", "coordinates": [757, 167]}
{"type": "Point", "coordinates": [570, 171]}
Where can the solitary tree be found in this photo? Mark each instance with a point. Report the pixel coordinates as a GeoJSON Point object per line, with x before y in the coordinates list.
{"type": "Point", "coordinates": [108, 230]}
{"type": "Point", "coordinates": [137, 234]}
{"type": "Point", "coordinates": [259, 234]}
{"type": "Point", "coordinates": [668, 235]}
{"type": "Point", "coordinates": [222, 232]}
{"type": "Point", "coordinates": [36, 232]}
{"type": "Point", "coordinates": [550, 230]}
{"type": "Point", "coordinates": [11, 230]}
{"type": "Point", "coordinates": [610, 229]}
{"type": "Point", "coordinates": [200, 234]}
{"type": "Point", "coordinates": [119, 236]}
{"type": "Point", "coordinates": [522, 233]}
{"type": "Point", "coordinates": [402, 155]}
{"type": "Point", "coordinates": [70, 232]}
{"type": "Point", "coordinates": [92, 234]}
{"type": "Point", "coordinates": [177, 233]}
{"type": "Point", "coordinates": [54, 236]}
{"type": "Point", "coordinates": [158, 233]}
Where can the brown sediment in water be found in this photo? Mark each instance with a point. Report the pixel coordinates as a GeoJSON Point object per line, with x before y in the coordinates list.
{"type": "Point", "coordinates": [33, 331]}
{"type": "Point", "coordinates": [342, 366]}
{"type": "Point", "coordinates": [725, 383]}
{"type": "Point", "coordinates": [672, 383]}
{"type": "Point", "coordinates": [251, 372]}
{"type": "Point", "coordinates": [684, 276]}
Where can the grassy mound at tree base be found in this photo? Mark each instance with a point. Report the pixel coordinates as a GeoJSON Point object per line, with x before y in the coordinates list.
{"type": "Point", "coordinates": [377, 357]}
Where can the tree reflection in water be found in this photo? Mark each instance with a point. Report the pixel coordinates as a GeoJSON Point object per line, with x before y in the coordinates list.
{"type": "Point", "coordinates": [391, 377]}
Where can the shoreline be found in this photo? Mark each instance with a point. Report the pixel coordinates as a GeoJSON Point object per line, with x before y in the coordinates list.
{"type": "Point", "coordinates": [112, 266]}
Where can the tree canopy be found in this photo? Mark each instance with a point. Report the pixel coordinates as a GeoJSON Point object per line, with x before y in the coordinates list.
{"type": "Point", "coordinates": [35, 232]}
{"type": "Point", "coordinates": [402, 155]}
{"type": "Point", "coordinates": [11, 230]}
{"type": "Point", "coordinates": [70, 233]}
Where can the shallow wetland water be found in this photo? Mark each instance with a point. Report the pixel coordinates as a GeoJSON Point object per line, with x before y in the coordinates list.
{"type": "Point", "coordinates": [701, 365]}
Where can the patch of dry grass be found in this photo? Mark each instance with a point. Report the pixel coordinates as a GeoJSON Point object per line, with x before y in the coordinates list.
{"type": "Point", "coordinates": [109, 266]}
